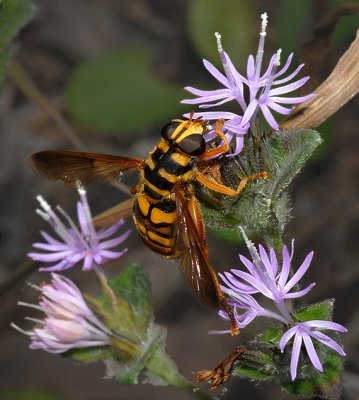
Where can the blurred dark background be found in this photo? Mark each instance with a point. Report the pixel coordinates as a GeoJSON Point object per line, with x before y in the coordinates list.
{"type": "Point", "coordinates": [116, 70]}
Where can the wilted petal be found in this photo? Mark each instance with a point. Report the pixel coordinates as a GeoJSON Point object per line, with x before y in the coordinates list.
{"type": "Point", "coordinates": [69, 322]}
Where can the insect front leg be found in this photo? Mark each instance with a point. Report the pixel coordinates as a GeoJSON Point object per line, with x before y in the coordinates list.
{"type": "Point", "coordinates": [220, 149]}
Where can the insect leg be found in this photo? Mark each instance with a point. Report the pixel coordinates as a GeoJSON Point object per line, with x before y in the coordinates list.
{"type": "Point", "coordinates": [217, 187]}
{"type": "Point", "coordinates": [220, 149]}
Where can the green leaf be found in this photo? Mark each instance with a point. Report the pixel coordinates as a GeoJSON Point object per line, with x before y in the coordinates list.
{"type": "Point", "coordinates": [271, 336]}
{"type": "Point", "coordinates": [150, 356]}
{"type": "Point", "coordinates": [138, 345]}
{"type": "Point", "coordinates": [255, 364]}
{"type": "Point", "coordinates": [29, 394]}
{"type": "Point", "coordinates": [134, 285]}
{"type": "Point", "coordinates": [237, 21]}
{"type": "Point", "coordinates": [321, 311]}
{"type": "Point", "coordinates": [117, 315]}
{"type": "Point", "coordinates": [117, 92]}
{"type": "Point", "coordinates": [13, 15]}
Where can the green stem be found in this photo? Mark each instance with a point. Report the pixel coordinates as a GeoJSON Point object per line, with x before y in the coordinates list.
{"type": "Point", "coordinates": [273, 238]}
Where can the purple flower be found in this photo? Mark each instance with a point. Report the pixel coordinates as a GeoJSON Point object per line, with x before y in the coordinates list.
{"type": "Point", "coordinates": [266, 277]}
{"type": "Point", "coordinates": [267, 92]}
{"type": "Point", "coordinates": [76, 244]}
{"type": "Point", "coordinates": [69, 322]}
{"type": "Point", "coordinates": [245, 309]}
{"type": "Point", "coordinates": [304, 332]}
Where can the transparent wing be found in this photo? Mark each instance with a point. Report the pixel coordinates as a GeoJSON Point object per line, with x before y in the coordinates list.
{"type": "Point", "coordinates": [72, 167]}
{"type": "Point", "coordinates": [192, 248]}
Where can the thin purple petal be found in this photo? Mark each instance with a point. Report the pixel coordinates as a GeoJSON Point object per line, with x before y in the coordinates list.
{"type": "Point", "coordinates": [295, 356]}
{"type": "Point", "coordinates": [114, 242]}
{"type": "Point", "coordinates": [289, 77]}
{"type": "Point", "coordinates": [312, 353]}
{"type": "Point", "coordinates": [269, 116]}
{"type": "Point", "coordinates": [288, 88]}
{"type": "Point", "coordinates": [300, 272]}
{"type": "Point", "coordinates": [334, 326]}
{"type": "Point", "coordinates": [286, 337]}
{"type": "Point", "coordinates": [292, 100]}
{"type": "Point", "coordinates": [215, 73]}
{"type": "Point", "coordinates": [284, 273]}
{"type": "Point", "coordinates": [328, 341]}
{"type": "Point", "coordinates": [300, 293]}
{"type": "Point", "coordinates": [285, 66]}
{"type": "Point", "coordinates": [279, 109]}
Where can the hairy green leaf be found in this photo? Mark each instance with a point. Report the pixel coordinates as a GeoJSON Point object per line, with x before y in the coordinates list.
{"type": "Point", "coordinates": [321, 311]}
{"type": "Point", "coordinates": [255, 364]}
{"type": "Point", "coordinates": [134, 285]}
{"type": "Point", "coordinates": [263, 207]}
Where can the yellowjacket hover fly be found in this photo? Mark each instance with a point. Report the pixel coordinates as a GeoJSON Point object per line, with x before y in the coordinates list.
{"type": "Point", "coordinates": [166, 212]}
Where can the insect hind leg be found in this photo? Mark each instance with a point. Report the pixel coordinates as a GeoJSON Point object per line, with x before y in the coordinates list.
{"type": "Point", "coordinates": [218, 187]}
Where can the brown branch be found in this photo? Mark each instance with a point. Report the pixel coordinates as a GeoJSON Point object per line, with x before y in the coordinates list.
{"type": "Point", "coordinates": [26, 85]}
{"type": "Point", "coordinates": [341, 85]}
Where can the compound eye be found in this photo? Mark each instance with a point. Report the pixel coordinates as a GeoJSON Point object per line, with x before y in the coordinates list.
{"type": "Point", "coordinates": [193, 145]}
{"type": "Point", "coordinates": [168, 130]}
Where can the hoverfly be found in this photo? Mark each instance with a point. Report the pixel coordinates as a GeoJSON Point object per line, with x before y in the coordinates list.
{"type": "Point", "coordinates": [166, 212]}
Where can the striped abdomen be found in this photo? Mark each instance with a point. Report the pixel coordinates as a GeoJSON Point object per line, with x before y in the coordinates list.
{"type": "Point", "coordinates": [155, 211]}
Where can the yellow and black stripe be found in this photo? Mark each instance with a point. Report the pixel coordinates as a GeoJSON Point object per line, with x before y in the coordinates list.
{"type": "Point", "coordinates": [155, 210]}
